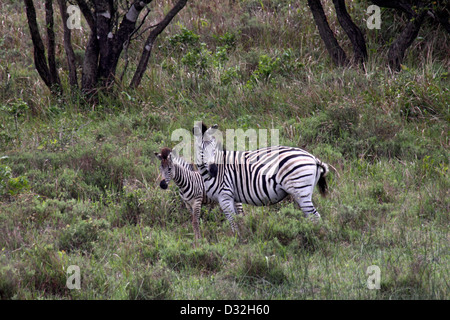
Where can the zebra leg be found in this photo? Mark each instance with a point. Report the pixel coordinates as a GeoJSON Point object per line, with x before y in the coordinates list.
{"type": "Point", "coordinates": [195, 208]}
{"type": "Point", "coordinates": [306, 205]}
{"type": "Point", "coordinates": [229, 209]}
{"type": "Point", "coordinates": [239, 208]}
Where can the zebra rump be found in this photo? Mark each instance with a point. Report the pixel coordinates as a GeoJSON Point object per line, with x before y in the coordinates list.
{"type": "Point", "coordinates": [322, 183]}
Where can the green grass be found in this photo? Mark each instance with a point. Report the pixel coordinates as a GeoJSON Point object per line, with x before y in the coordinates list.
{"type": "Point", "coordinates": [93, 197]}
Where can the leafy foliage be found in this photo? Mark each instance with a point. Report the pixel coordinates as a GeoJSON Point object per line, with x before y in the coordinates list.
{"type": "Point", "coordinates": [8, 184]}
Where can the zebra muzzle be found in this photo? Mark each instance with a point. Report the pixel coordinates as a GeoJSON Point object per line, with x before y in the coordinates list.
{"type": "Point", "coordinates": [212, 170]}
{"type": "Point", "coordinates": [163, 184]}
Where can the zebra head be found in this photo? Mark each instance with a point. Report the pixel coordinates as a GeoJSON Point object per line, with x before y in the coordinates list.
{"type": "Point", "coordinates": [209, 154]}
{"type": "Point", "coordinates": [206, 146]}
{"type": "Point", "coordinates": [165, 156]}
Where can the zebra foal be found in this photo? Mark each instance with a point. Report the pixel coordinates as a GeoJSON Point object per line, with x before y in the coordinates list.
{"type": "Point", "coordinates": [190, 184]}
{"type": "Point", "coordinates": [259, 177]}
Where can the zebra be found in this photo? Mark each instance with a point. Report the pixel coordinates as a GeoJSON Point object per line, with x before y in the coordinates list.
{"type": "Point", "coordinates": [190, 184]}
{"type": "Point", "coordinates": [260, 177]}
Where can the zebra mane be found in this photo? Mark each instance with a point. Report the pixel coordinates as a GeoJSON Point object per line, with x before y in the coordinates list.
{"type": "Point", "coordinates": [165, 153]}
{"type": "Point", "coordinates": [183, 163]}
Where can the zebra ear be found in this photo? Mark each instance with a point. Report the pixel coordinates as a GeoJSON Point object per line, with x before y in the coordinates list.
{"type": "Point", "coordinates": [204, 128]}
{"type": "Point", "coordinates": [211, 131]}
{"type": "Point", "coordinates": [158, 156]}
{"type": "Point", "coordinates": [197, 125]}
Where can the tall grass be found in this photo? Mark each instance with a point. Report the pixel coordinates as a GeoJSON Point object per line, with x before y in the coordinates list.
{"type": "Point", "coordinates": [94, 199]}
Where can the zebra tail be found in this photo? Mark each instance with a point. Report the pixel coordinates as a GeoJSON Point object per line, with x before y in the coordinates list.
{"type": "Point", "coordinates": [322, 183]}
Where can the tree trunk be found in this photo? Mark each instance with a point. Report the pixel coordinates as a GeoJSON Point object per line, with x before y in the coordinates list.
{"type": "Point", "coordinates": [90, 18]}
{"type": "Point", "coordinates": [353, 32]}
{"type": "Point", "coordinates": [337, 54]}
{"type": "Point", "coordinates": [89, 74]}
{"type": "Point", "coordinates": [54, 78]}
{"type": "Point", "coordinates": [70, 55]}
{"type": "Point", "coordinates": [104, 14]}
{"type": "Point", "coordinates": [123, 35]}
{"type": "Point", "coordinates": [40, 60]}
{"type": "Point", "coordinates": [104, 48]}
{"type": "Point", "coordinates": [143, 62]}
{"type": "Point", "coordinates": [401, 5]}
{"type": "Point", "coordinates": [405, 39]}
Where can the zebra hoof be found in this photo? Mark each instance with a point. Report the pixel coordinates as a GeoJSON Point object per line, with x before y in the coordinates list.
{"type": "Point", "coordinates": [314, 217]}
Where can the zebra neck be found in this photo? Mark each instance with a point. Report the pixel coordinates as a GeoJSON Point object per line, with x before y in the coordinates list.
{"type": "Point", "coordinates": [180, 175]}
{"type": "Point", "coordinates": [218, 159]}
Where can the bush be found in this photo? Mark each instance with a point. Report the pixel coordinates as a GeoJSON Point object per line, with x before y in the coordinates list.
{"type": "Point", "coordinates": [291, 228]}
{"type": "Point", "coordinates": [282, 64]}
{"type": "Point", "coordinates": [45, 271]}
{"type": "Point", "coordinates": [184, 39]}
{"type": "Point", "coordinates": [80, 235]}
{"type": "Point", "coordinates": [8, 281]}
{"type": "Point", "coordinates": [9, 185]}
{"type": "Point", "coordinates": [253, 268]}
{"type": "Point", "coordinates": [132, 207]}
{"type": "Point", "coordinates": [155, 284]}
{"type": "Point", "coordinates": [181, 256]}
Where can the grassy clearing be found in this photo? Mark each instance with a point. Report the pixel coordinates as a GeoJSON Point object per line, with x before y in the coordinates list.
{"type": "Point", "coordinates": [82, 186]}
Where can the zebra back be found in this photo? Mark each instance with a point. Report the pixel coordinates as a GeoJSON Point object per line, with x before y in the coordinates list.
{"type": "Point", "coordinates": [264, 176]}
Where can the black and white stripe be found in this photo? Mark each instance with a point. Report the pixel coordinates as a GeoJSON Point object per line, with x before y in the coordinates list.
{"type": "Point", "coordinates": [190, 184]}
{"type": "Point", "coordinates": [260, 177]}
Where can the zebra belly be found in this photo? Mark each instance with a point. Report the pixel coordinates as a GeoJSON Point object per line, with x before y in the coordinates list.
{"type": "Point", "coordinates": [261, 194]}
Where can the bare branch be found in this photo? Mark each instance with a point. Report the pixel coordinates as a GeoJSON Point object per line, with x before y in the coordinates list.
{"type": "Point", "coordinates": [142, 23]}
{"type": "Point", "coordinates": [123, 35]}
{"type": "Point", "coordinates": [143, 62]}
{"type": "Point", "coordinates": [87, 13]}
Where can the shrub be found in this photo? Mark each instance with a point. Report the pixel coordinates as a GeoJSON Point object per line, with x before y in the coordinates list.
{"type": "Point", "coordinates": [253, 268]}
{"type": "Point", "coordinates": [182, 256]}
{"type": "Point", "coordinates": [80, 235]}
{"type": "Point", "coordinates": [132, 206]}
{"type": "Point", "coordinates": [45, 271]}
{"type": "Point", "coordinates": [8, 281]}
{"type": "Point", "coordinates": [155, 284]}
{"type": "Point", "coordinates": [184, 38]}
{"type": "Point", "coordinates": [9, 185]}
{"type": "Point", "coordinates": [198, 59]}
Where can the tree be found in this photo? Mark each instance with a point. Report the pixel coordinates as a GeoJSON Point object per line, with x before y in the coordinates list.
{"type": "Point", "coordinates": [111, 31]}
{"type": "Point", "coordinates": [351, 29]}
{"type": "Point", "coordinates": [416, 12]}
{"type": "Point", "coordinates": [353, 32]}
{"type": "Point", "coordinates": [334, 49]}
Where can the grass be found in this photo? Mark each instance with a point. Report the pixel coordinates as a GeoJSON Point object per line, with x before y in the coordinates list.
{"type": "Point", "coordinates": [92, 196]}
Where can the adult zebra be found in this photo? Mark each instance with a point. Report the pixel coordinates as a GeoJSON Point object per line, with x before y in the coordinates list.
{"type": "Point", "coordinates": [190, 184]}
{"type": "Point", "coordinates": [260, 177]}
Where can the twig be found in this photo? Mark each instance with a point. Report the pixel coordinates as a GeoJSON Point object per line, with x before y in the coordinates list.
{"type": "Point", "coordinates": [334, 169]}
